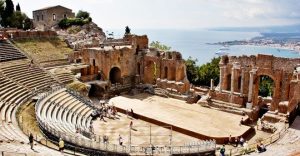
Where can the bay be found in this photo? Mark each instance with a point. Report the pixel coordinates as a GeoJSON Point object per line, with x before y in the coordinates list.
{"type": "Point", "coordinates": [194, 43]}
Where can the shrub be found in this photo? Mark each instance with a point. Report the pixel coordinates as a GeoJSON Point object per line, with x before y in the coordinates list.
{"type": "Point", "coordinates": [67, 22]}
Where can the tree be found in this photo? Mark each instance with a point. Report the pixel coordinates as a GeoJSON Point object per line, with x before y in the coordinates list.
{"type": "Point", "coordinates": [201, 75]}
{"type": "Point", "coordinates": [18, 8]}
{"type": "Point", "coordinates": [160, 46]}
{"type": "Point", "coordinates": [28, 24]}
{"type": "Point", "coordinates": [17, 20]}
{"type": "Point", "coordinates": [191, 69]}
{"type": "Point", "coordinates": [82, 14]}
{"type": "Point", "coordinates": [127, 30]}
{"type": "Point", "coordinates": [7, 13]}
{"type": "Point", "coordinates": [209, 71]}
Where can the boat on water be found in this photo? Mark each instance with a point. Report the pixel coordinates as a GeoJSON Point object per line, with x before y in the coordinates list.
{"type": "Point", "coordinates": [222, 51]}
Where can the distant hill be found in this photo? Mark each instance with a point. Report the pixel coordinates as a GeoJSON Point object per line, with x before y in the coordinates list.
{"type": "Point", "coordinates": [269, 29]}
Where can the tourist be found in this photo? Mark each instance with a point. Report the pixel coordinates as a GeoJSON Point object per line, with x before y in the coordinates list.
{"type": "Point", "coordinates": [242, 141]}
{"type": "Point", "coordinates": [31, 140]}
{"type": "Point", "coordinates": [246, 147]}
{"type": "Point", "coordinates": [262, 147]}
{"type": "Point", "coordinates": [236, 141]}
{"type": "Point", "coordinates": [222, 150]}
{"type": "Point", "coordinates": [120, 140]}
{"type": "Point", "coordinates": [258, 123]}
{"type": "Point", "coordinates": [132, 113]}
{"type": "Point", "coordinates": [242, 122]}
{"type": "Point", "coordinates": [229, 139]}
{"type": "Point", "coordinates": [127, 113]}
{"type": "Point", "coordinates": [61, 145]}
{"type": "Point", "coordinates": [131, 124]}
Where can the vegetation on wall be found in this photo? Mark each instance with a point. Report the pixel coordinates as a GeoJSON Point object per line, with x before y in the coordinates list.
{"type": "Point", "coordinates": [82, 18]}
{"type": "Point", "coordinates": [265, 86]}
{"type": "Point", "coordinates": [160, 46]}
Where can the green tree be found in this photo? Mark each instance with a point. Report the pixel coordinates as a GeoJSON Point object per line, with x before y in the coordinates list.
{"type": "Point", "coordinates": [265, 86]}
{"type": "Point", "coordinates": [82, 14]}
{"type": "Point", "coordinates": [209, 71]}
{"type": "Point", "coordinates": [191, 69]}
{"type": "Point", "coordinates": [127, 30]}
{"type": "Point", "coordinates": [17, 19]}
{"type": "Point", "coordinates": [18, 8]}
{"type": "Point", "coordinates": [201, 75]}
{"type": "Point", "coordinates": [7, 13]}
{"type": "Point", "coordinates": [2, 7]}
{"type": "Point", "coordinates": [28, 24]}
{"type": "Point", "coordinates": [160, 46]}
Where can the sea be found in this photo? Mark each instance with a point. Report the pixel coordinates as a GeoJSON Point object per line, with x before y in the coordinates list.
{"type": "Point", "coordinates": [194, 43]}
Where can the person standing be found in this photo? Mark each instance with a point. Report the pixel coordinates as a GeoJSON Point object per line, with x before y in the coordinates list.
{"type": "Point", "coordinates": [61, 145]}
{"type": "Point", "coordinates": [31, 140]}
{"type": "Point", "coordinates": [222, 150]}
{"type": "Point", "coordinates": [120, 140]}
{"type": "Point", "coordinates": [131, 124]}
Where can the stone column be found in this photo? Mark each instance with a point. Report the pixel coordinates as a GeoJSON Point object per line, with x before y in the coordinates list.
{"type": "Point", "coordinates": [252, 73]}
{"type": "Point", "coordinates": [232, 80]}
{"type": "Point", "coordinates": [221, 78]}
{"type": "Point", "coordinates": [211, 84]}
{"type": "Point", "coordinates": [242, 82]}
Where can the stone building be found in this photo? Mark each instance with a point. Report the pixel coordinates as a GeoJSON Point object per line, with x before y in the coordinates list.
{"type": "Point", "coordinates": [130, 61]}
{"type": "Point", "coordinates": [240, 78]}
{"type": "Point", "coordinates": [48, 17]}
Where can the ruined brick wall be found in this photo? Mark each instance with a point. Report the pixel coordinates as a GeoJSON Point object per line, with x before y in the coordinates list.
{"type": "Point", "coordinates": [29, 34]}
{"type": "Point", "coordinates": [166, 69]}
{"type": "Point", "coordinates": [240, 75]}
{"type": "Point", "coordinates": [44, 19]}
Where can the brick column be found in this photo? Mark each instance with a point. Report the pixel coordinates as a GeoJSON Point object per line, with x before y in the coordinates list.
{"type": "Point", "coordinates": [242, 82]}
{"type": "Point", "coordinates": [221, 78]}
{"type": "Point", "coordinates": [232, 80]}
{"type": "Point", "coordinates": [252, 73]}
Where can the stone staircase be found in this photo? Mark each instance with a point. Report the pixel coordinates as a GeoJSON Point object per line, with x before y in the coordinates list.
{"type": "Point", "coordinates": [226, 107]}
{"type": "Point", "coordinates": [65, 77]}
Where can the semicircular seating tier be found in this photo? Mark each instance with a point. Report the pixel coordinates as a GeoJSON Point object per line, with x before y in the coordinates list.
{"type": "Point", "coordinates": [8, 52]}
{"type": "Point", "coordinates": [64, 112]}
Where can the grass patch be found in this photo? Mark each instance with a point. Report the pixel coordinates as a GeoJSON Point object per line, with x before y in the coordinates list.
{"type": "Point", "coordinates": [27, 118]}
{"type": "Point", "coordinates": [44, 49]}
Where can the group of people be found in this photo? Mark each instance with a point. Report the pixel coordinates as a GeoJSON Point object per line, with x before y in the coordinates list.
{"type": "Point", "coordinates": [236, 141]}
{"type": "Point", "coordinates": [108, 111]}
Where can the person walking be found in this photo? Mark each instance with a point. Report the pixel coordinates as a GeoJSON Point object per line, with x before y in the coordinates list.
{"type": "Point", "coordinates": [61, 145]}
{"type": "Point", "coordinates": [131, 124]}
{"type": "Point", "coordinates": [31, 140]}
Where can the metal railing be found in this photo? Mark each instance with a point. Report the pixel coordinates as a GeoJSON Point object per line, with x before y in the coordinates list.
{"type": "Point", "coordinates": [252, 147]}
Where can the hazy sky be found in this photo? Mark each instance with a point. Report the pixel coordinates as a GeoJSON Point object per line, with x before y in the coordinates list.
{"type": "Point", "coordinates": [178, 14]}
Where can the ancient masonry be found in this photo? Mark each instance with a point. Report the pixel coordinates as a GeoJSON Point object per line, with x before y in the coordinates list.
{"type": "Point", "coordinates": [130, 61]}
{"type": "Point", "coordinates": [46, 18]}
{"type": "Point", "coordinates": [239, 84]}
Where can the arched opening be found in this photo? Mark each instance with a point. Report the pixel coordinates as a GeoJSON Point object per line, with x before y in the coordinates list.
{"type": "Point", "coordinates": [165, 73]}
{"type": "Point", "coordinates": [266, 86]}
{"type": "Point", "coordinates": [115, 75]}
{"type": "Point", "coordinates": [138, 68]}
{"type": "Point", "coordinates": [228, 87]}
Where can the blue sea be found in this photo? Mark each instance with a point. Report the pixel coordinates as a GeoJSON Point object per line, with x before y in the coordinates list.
{"type": "Point", "coordinates": [194, 43]}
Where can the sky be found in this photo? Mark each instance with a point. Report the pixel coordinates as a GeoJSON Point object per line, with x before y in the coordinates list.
{"type": "Point", "coordinates": [178, 14]}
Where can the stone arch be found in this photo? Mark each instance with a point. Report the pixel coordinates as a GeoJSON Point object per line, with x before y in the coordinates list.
{"type": "Point", "coordinates": [115, 75]}
{"type": "Point", "coordinates": [258, 82]}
